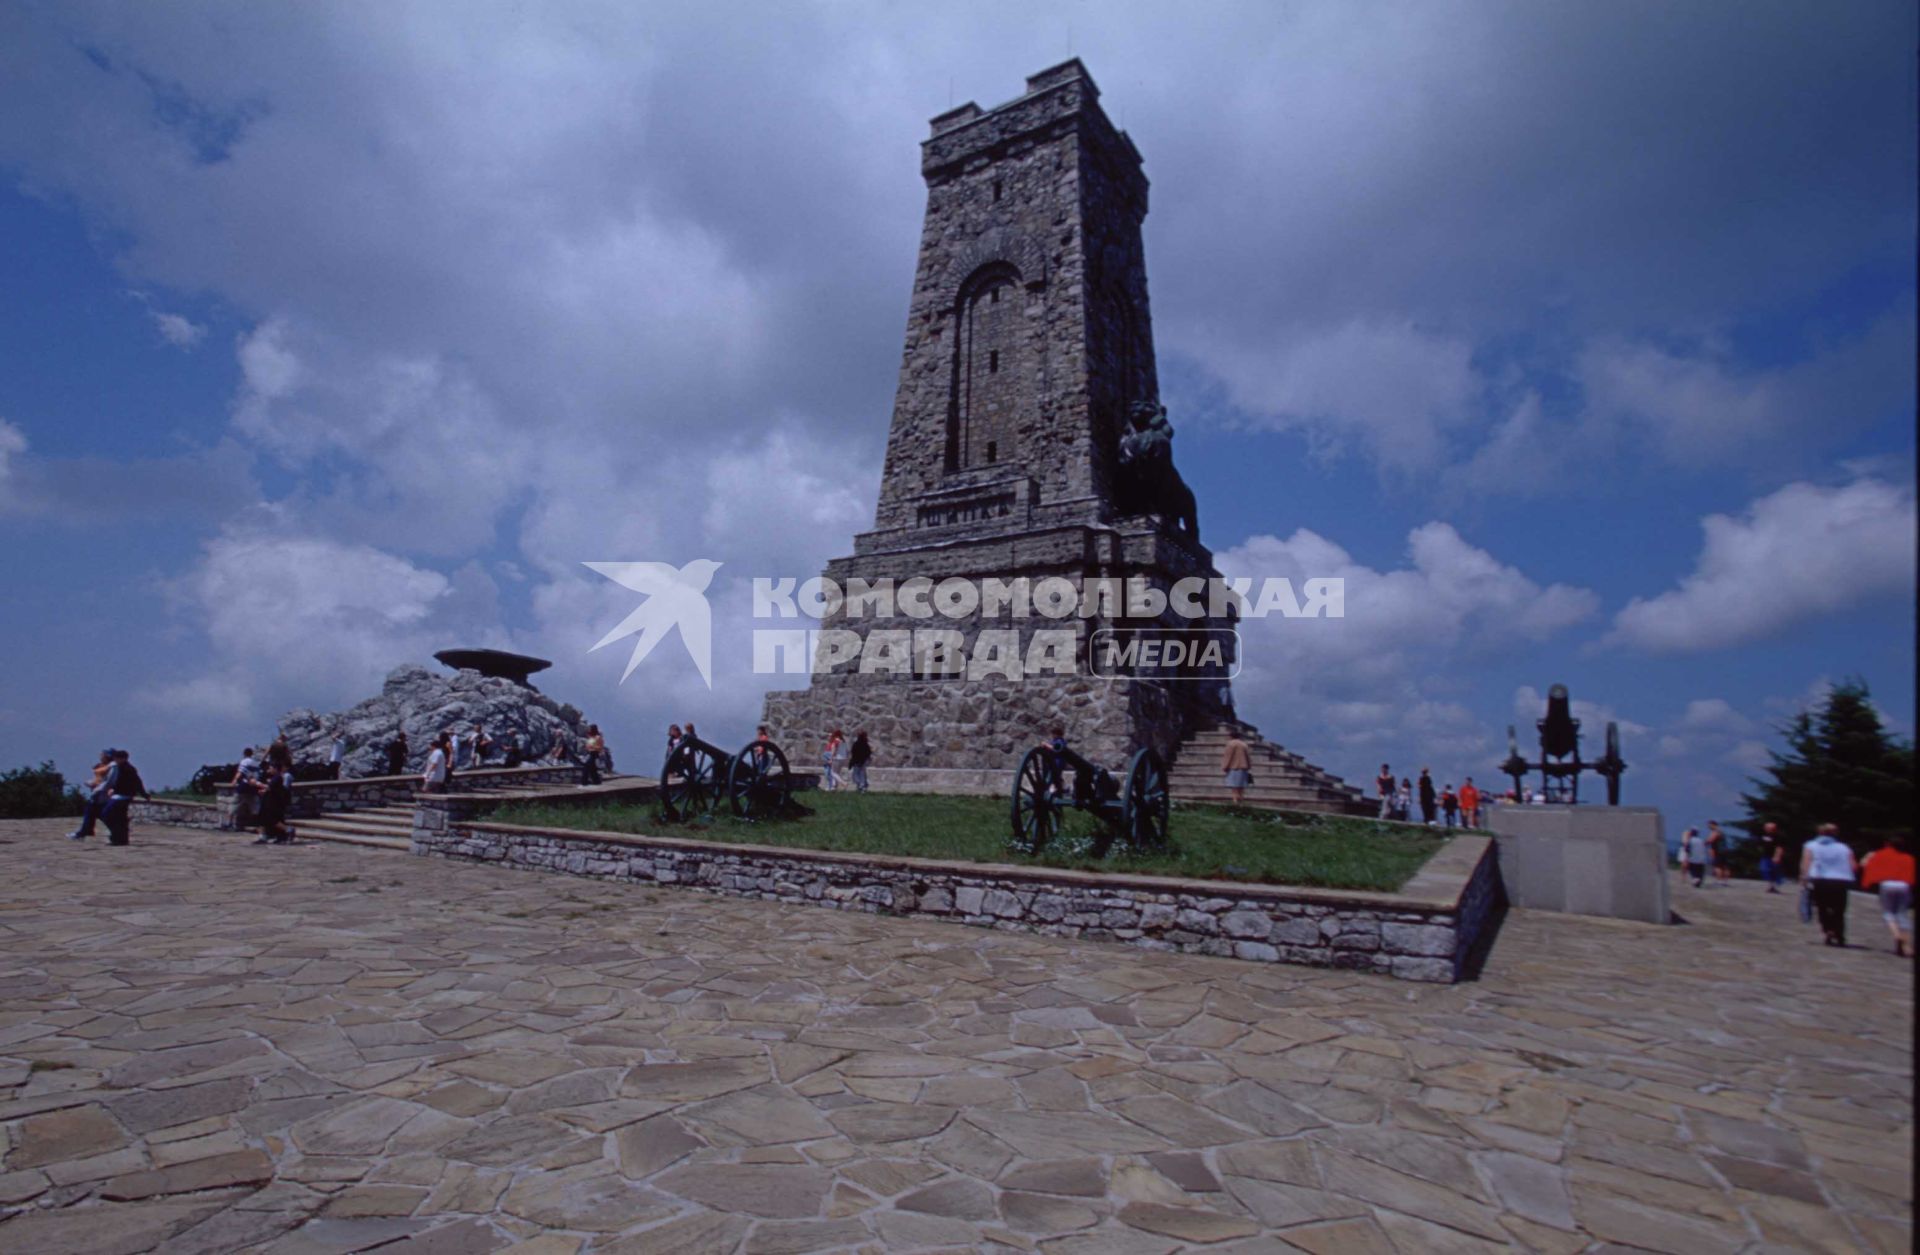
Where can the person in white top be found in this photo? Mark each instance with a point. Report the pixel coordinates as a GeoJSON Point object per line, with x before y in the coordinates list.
{"type": "Point", "coordinates": [434, 778]}
{"type": "Point", "coordinates": [1828, 868]}
{"type": "Point", "coordinates": [337, 753]}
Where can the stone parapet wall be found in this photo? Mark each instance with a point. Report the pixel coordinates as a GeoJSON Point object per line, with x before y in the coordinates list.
{"type": "Point", "coordinates": [1424, 933]}
{"type": "Point", "coordinates": [176, 813]}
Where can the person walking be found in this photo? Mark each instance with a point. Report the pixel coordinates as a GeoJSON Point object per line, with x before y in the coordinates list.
{"type": "Point", "coordinates": [828, 758]}
{"type": "Point", "coordinates": [336, 752]}
{"type": "Point", "coordinates": [1383, 789]}
{"type": "Point", "coordinates": [123, 784]}
{"type": "Point", "coordinates": [397, 754]}
{"type": "Point", "coordinates": [1450, 805]}
{"type": "Point", "coordinates": [1236, 764]}
{"type": "Point", "coordinates": [1717, 844]}
{"type": "Point", "coordinates": [1693, 856]}
{"type": "Point", "coordinates": [1428, 800]}
{"type": "Point", "coordinates": [1772, 855]}
{"type": "Point", "coordinates": [482, 745]}
{"type": "Point", "coordinates": [857, 759]}
{"type": "Point", "coordinates": [1829, 868]}
{"type": "Point", "coordinates": [434, 778]}
{"type": "Point", "coordinates": [96, 797]}
{"type": "Point", "coordinates": [1403, 801]}
{"type": "Point", "coordinates": [1889, 871]}
{"type": "Point", "coordinates": [1469, 805]}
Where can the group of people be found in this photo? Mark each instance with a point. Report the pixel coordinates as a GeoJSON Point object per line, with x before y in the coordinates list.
{"type": "Point", "coordinates": [110, 793]}
{"type": "Point", "coordinates": [1438, 807]}
{"type": "Point", "coordinates": [1829, 871]}
{"type": "Point", "coordinates": [263, 792]}
{"type": "Point", "coordinates": [855, 756]}
{"type": "Point", "coordinates": [1704, 854]}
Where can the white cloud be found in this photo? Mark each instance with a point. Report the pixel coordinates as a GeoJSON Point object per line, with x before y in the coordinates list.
{"type": "Point", "coordinates": [1804, 551]}
{"type": "Point", "coordinates": [177, 329]}
{"type": "Point", "coordinates": [1714, 714]}
{"type": "Point", "coordinates": [1705, 404]}
{"type": "Point", "coordinates": [1389, 387]}
{"type": "Point", "coordinates": [13, 443]}
{"type": "Point", "coordinates": [1378, 680]}
{"type": "Point", "coordinates": [301, 614]}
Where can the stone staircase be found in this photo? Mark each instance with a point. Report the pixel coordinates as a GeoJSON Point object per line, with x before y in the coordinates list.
{"type": "Point", "coordinates": [390, 827]}
{"type": "Point", "coordinates": [1282, 780]}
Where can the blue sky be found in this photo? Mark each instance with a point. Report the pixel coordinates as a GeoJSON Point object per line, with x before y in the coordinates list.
{"type": "Point", "coordinates": [1579, 338]}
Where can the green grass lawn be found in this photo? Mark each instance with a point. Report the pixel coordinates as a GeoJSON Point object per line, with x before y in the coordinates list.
{"type": "Point", "coordinates": [1210, 842]}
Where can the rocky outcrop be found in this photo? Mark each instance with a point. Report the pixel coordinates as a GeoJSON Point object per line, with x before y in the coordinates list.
{"type": "Point", "coordinates": [424, 703]}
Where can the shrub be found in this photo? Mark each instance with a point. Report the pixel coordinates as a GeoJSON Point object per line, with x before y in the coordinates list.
{"type": "Point", "coordinates": [37, 793]}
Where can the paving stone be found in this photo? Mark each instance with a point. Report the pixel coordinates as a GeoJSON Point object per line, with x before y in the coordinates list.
{"type": "Point", "coordinates": [244, 1167]}
{"type": "Point", "coordinates": [1044, 1214]}
{"type": "Point", "coordinates": [1283, 1205]}
{"type": "Point", "coordinates": [1529, 1188]}
{"type": "Point", "coordinates": [796, 1237]}
{"type": "Point", "coordinates": [75, 1133]}
{"type": "Point", "coordinates": [882, 1122]}
{"type": "Point", "coordinates": [1084, 1178]}
{"type": "Point", "coordinates": [361, 1127]}
{"type": "Point", "coordinates": [377, 1200]}
{"type": "Point", "coordinates": [1187, 1223]}
{"type": "Point", "coordinates": [110, 1229]}
{"type": "Point", "coordinates": [512, 1139]}
{"type": "Point", "coordinates": [690, 1082]}
{"type": "Point", "coordinates": [759, 1117]}
{"type": "Point", "coordinates": [960, 1198]}
{"type": "Point", "coordinates": [591, 1197]}
{"type": "Point", "coordinates": [143, 1111]}
{"type": "Point", "coordinates": [1359, 1236]}
{"type": "Point", "coordinates": [1186, 1170]}
{"type": "Point", "coordinates": [769, 1190]}
{"type": "Point", "coordinates": [653, 1144]}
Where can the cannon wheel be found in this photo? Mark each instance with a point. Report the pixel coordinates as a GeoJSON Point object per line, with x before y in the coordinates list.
{"type": "Point", "coordinates": [760, 786]}
{"type": "Point", "coordinates": [1036, 815]}
{"type": "Point", "coordinates": [1145, 804]}
{"type": "Point", "coordinates": [688, 784]}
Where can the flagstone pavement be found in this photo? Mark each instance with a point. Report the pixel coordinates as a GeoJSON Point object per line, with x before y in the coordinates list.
{"type": "Point", "coordinates": [209, 1046]}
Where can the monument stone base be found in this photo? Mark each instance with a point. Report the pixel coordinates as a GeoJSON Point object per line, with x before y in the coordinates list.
{"type": "Point", "coordinates": [1585, 860]}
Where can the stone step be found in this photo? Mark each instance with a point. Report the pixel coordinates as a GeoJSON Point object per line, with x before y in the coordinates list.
{"type": "Point", "coordinates": [334, 831]}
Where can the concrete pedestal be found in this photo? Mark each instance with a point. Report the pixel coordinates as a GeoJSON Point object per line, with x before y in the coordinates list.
{"type": "Point", "coordinates": [1584, 860]}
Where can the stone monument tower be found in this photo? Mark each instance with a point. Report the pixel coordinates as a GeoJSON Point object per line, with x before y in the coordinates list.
{"type": "Point", "coordinates": [1028, 347]}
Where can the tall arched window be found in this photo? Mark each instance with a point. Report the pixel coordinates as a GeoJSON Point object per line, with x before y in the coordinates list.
{"type": "Point", "coordinates": [987, 374]}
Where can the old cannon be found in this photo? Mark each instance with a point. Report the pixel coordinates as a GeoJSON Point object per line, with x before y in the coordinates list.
{"type": "Point", "coordinates": [1134, 810]}
{"type": "Point", "coordinates": [1560, 764]}
{"type": "Point", "coordinates": [697, 776]}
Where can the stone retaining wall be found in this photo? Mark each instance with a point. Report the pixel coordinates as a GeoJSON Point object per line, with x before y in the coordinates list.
{"type": "Point", "coordinates": [176, 813]}
{"type": "Point", "coordinates": [1425, 932]}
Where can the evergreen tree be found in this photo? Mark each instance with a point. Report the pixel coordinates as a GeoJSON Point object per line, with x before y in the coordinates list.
{"type": "Point", "coordinates": [1840, 767]}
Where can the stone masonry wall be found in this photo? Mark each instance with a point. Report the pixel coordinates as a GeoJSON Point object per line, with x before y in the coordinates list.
{"type": "Point", "coordinates": [175, 813]}
{"type": "Point", "coordinates": [1422, 938]}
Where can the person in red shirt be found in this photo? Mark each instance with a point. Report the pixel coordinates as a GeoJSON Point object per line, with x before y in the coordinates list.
{"type": "Point", "coordinates": [1470, 804]}
{"type": "Point", "coordinates": [1890, 868]}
